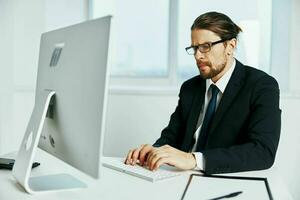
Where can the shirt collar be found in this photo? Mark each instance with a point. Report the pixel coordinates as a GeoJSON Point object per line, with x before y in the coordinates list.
{"type": "Point", "coordinates": [223, 81]}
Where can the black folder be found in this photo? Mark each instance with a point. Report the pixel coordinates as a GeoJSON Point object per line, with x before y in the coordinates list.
{"type": "Point", "coordinates": [223, 179]}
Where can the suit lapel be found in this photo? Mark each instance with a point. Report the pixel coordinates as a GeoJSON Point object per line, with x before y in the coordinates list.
{"type": "Point", "coordinates": [234, 85]}
{"type": "Point", "coordinates": [197, 104]}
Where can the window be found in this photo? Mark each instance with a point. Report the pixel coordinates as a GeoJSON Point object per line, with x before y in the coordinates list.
{"type": "Point", "coordinates": [150, 36]}
{"type": "Point", "coordinates": [140, 38]}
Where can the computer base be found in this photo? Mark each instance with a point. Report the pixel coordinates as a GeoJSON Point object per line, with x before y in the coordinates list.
{"type": "Point", "coordinates": [55, 182]}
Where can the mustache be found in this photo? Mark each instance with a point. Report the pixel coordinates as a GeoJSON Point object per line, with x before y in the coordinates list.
{"type": "Point", "coordinates": [203, 63]}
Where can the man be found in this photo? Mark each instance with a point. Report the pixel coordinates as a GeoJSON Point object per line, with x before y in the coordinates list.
{"type": "Point", "coordinates": [227, 118]}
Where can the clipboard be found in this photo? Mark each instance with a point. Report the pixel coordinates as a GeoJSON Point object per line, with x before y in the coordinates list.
{"type": "Point", "coordinates": [222, 185]}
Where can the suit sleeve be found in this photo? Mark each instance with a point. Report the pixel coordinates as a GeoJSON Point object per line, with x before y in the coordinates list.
{"type": "Point", "coordinates": [262, 134]}
{"type": "Point", "coordinates": [170, 135]}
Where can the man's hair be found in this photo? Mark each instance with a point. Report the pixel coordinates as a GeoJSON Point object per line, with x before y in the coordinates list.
{"type": "Point", "coordinates": [218, 23]}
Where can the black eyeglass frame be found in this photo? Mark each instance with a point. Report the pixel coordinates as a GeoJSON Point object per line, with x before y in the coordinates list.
{"type": "Point", "coordinates": [196, 47]}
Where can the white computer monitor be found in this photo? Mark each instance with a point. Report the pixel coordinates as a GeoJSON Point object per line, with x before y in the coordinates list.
{"type": "Point", "coordinates": [68, 116]}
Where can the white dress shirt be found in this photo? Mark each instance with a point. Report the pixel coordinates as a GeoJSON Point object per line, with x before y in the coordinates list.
{"type": "Point", "coordinates": [221, 85]}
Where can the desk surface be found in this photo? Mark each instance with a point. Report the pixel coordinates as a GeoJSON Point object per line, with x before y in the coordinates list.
{"type": "Point", "coordinates": [116, 185]}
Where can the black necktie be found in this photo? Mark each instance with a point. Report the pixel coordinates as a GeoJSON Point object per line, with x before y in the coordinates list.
{"type": "Point", "coordinates": [209, 114]}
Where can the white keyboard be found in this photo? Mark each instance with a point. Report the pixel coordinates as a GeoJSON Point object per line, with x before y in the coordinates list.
{"type": "Point", "coordinates": [138, 171]}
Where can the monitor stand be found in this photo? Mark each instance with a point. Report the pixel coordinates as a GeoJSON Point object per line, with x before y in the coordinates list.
{"type": "Point", "coordinates": [29, 145]}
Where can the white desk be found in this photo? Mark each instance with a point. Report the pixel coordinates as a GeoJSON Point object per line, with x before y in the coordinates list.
{"type": "Point", "coordinates": [116, 185]}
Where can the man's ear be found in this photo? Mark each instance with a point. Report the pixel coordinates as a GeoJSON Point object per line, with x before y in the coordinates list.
{"type": "Point", "coordinates": [231, 45]}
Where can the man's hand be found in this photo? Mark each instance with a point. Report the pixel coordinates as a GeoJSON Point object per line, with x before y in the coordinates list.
{"type": "Point", "coordinates": [140, 154]}
{"type": "Point", "coordinates": [153, 157]}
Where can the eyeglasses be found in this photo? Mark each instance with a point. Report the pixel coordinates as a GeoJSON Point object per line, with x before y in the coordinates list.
{"type": "Point", "coordinates": [203, 48]}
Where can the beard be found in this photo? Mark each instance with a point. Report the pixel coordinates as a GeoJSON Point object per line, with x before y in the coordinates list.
{"type": "Point", "coordinates": [213, 70]}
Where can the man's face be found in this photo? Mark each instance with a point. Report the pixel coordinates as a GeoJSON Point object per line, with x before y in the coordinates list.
{"type": "Point", "coordinates": [212, 63]}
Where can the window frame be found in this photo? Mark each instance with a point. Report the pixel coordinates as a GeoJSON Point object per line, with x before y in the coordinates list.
{"type": "Point", "coordinates": [170, 83]}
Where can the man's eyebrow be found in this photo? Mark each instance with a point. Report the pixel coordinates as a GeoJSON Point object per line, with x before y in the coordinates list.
{"type": "Point", "coordinates": [197, 44]}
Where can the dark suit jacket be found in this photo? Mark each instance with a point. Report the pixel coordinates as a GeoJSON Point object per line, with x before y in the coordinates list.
{"type": "Point", "coordinates": [245, 131]}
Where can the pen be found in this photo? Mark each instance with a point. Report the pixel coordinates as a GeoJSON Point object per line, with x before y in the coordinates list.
{"type": "Point", "coordinates": [234, 194]}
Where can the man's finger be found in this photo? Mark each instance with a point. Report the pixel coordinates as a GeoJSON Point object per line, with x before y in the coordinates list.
{"type": "Point", "coordinates": [135, 155]}
{"type": "Point", "coordinates": [144, 153]}
{"type": "Point", "coordinates": [155, 158]}
{"type": "Point", "coordinates": [151, 155]}
{"type": "Point", "coordinates": [128, 158]}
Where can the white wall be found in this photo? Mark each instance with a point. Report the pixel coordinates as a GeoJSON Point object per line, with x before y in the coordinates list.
{"type": "Point", "coordinates": [6, 72]}
{"type": "Point", "coordinates": [21, 24]}
{"type": "Point", "coordinates": [135, 119]}
{"type": "Point", "coordinates": [288, 158]}
{"type": "Point", "coordinates": [295, 47]}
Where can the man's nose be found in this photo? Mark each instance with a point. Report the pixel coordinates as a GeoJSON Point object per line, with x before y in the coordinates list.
{"type": "Point", "coordinates": [198, 55]}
